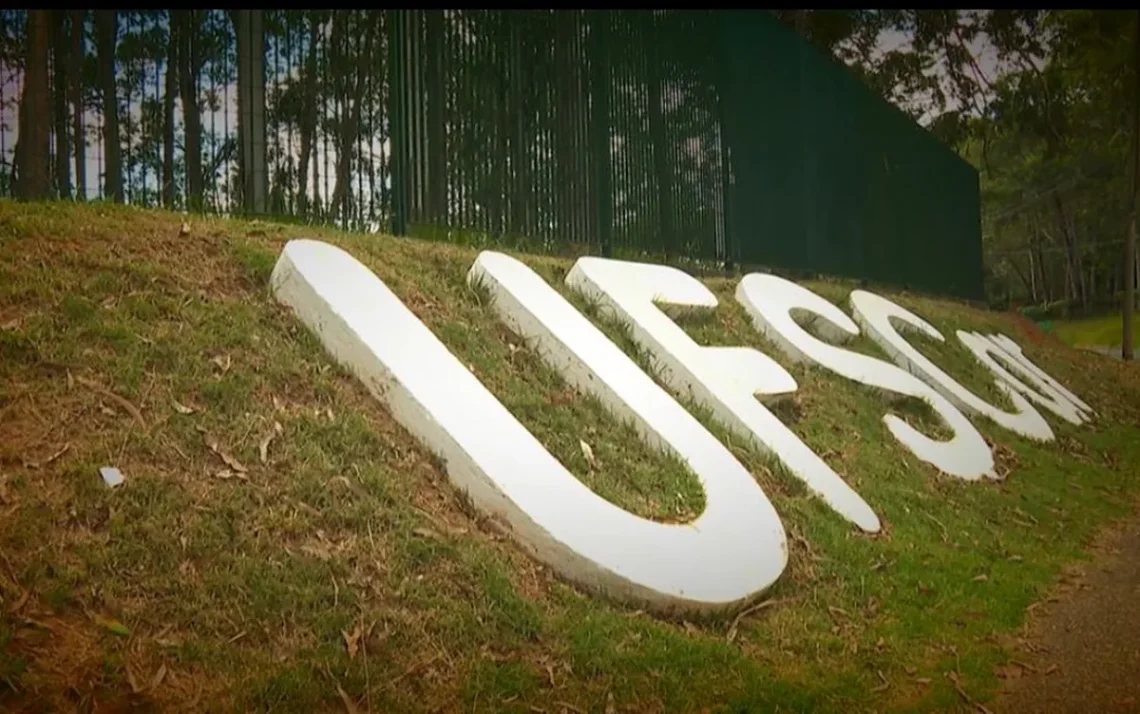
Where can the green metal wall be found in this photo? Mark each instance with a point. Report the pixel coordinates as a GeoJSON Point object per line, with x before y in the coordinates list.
{"type": "Point", "coordinates": [830, 178]}
{"type": "Point", "coordinates": [599, 131]}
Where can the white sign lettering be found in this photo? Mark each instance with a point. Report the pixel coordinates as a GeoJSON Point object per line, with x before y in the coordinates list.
{"type": "Point", "coordinates": [736, 548]}
{"type": "Point", "coordinates": [771, 301]}
{"type": "Point", "coordinates": [726, 380]}
{"type": "Point", "coordinates": [731, 553]}
{"type": "Point", "coordinates": [988, 351]}
{"type": "Point", "coordinates": [875, 315]}
{"type": "Point", "coordinates": [1015, 351]}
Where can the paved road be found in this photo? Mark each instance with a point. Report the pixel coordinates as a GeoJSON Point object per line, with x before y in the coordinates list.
{"type": "Point", "coordinates": [1086, 647]}
{"type": "Point", "coordinates": [1113, 352]}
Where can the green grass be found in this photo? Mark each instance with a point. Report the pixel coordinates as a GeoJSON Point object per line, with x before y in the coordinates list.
{"type": "Point", "coordinates": [347, 562]}
{"type": "Point", "coordinates": [1106, 331]}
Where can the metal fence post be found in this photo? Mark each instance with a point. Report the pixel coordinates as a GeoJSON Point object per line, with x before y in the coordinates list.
{"type": "Point", "coordinates": [600, 125]}
{"type": "Point", "coordinates": [397, 94]}
{"type": "Point", "coordinates": [251, 109]}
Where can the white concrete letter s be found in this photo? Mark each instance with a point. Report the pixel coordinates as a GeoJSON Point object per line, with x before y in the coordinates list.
{"type": "Point", "coordinates": [771, 301]}
{"type": "Point", "coordinates": [1015, 351]}
{"type": "Point", "coordinates": [1041, 388]}
{"type": "Point", "coordinates": [875, 314]}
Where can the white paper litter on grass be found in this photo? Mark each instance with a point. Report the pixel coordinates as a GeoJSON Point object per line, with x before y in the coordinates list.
{"type": "Point", "coordinates": [111, 476]}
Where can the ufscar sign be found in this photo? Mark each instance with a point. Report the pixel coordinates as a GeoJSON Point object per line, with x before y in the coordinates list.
{"type": "Point", "coordinates": [736, 548]}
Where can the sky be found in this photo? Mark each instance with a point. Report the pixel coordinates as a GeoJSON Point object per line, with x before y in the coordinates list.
{"type": "Point", "coordinates": [982, 49]}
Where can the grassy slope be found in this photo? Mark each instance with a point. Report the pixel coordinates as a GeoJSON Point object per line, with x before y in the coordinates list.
{"type": "Point", "coordinates": [1104, 331]}
{"type": "Point", "coordinates": [241, 592]}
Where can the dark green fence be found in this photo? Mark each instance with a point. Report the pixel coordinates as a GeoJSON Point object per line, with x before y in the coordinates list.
{"type": "Point", "coordinates": [830, 178]}
{"type": "Point", "coordinates": [599, 131]}
{"type": "Point", "coordinates": [570, 127]}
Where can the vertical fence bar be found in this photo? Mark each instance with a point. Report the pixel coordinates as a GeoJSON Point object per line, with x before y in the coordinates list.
{"type": "Point", "coordinates": [509, 124]}
{"type": "Point", "coordinates": [324, 204]}
{"type": "Point", "coordinates": [372, 87]}
{"type": "Point", "coordinates": [126, 122]}
{"type": "Point", "coordinates": [600, 120]}
{"type": "Point", "coordinates": [395, 122]}
{"type": "Point", "coordinates": [360, 82]}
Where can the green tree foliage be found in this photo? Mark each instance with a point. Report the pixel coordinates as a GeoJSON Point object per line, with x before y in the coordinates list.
{"type": "Point", "coordinates": [1053, 147]}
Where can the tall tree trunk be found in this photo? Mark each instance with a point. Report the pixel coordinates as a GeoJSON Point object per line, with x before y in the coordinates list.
{"type": "Point", "coordinates": [107, 32]}
{"type": "Point", "coordinates": [338, 92]}
{"type": "Point", "coordinates": [308, 117]}
{"type": "Point", "coordinates": [34, 183]}
{"type": "Point", "coordinates": [1025, 281]}
{"type": "Point", "coordinates": [59, 108]}
{"type": "Point", "coordinates": [1046, 293]}
{"type": "Point", "coordinates": [1072, 255]}
{"type": "Point", "coordinates": [1032, 277]}
{"type": "Point", "coordinates": [171, 90]}
{"type": "Point", "coordinates": [189, 55]}
{"type": "Point", "coordinates": [1130, 241]}
{"type": "Point", "coordinates": [350, 122]}
{"type": "Point", "coordinates": [75, 68]}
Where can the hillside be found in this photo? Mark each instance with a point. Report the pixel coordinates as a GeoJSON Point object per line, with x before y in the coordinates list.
{"type": "Point", "coordinates": [280, 543]}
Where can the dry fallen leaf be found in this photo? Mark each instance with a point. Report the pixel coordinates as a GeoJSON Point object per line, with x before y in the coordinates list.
{"type": "Point", "coordinates": [157, 678]}
{"type": "Point", "coordinates": [181, 408]}
{"type": "Point", "coordinates": [223, 363]}
{"type": "Point", "coordinates": [19, 603]}
{"type": "Point", "coordinates": [352, 640]}
{"type": "Point", "coordinates": [185, 231]}
{"type": "Point", "coordinates": [48, 460]}
{"type": "Point", "coordinates": [131, 680]}
{"type": "Point", "coordinates": [588, 453]}
{"type": "Point", "coordinates": [112, 625]}
{"type": "Point", "coordinates": [349, 706]}
{"type": "Point", "coordinates": [317, 551]}
{"type": "Point", "coordinates": [882, 687]}
{"type": "Point", "coordinates": [125, 404]}
{"type": "Point", "coordinates": [230, 461]}
{"type": "Point", "coordinates": [263, 447]}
